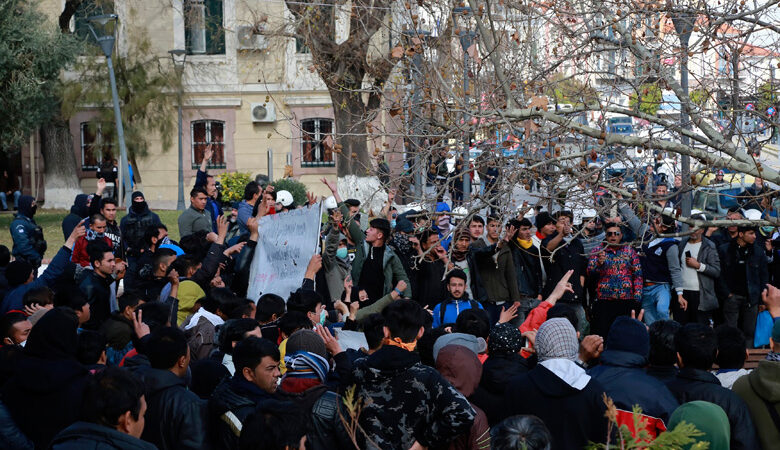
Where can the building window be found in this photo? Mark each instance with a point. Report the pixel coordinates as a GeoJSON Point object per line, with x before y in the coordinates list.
{"type": "Point", "coordinates": [300, 46]}
{"type": "Point", "coordinates": [94, 147]}
{"type": "Point", "coordinates": [203, 27]}
{"type": "Point", "coordinates": [205, 132]}
{"type": "Point", "coordinates": [89, 8]}
{"type": "Point", "coordinates": [315, 149]}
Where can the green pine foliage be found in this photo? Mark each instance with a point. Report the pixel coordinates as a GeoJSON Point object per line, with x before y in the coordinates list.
{"type": "Point", "coordinates": [683, 436]}
{"type": "Point", "coordinates": [33, 53]}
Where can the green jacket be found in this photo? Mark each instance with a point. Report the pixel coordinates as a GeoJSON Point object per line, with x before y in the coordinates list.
{"type": "Point", "coordinates": [763, 383]}
{"type": "Point", "coordinates": [392, 268]}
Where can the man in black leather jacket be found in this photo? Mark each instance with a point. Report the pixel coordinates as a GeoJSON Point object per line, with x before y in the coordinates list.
{"type": "Point", "coordinates": [175, 417]}
{"type": "Point", "coordinates": [256, 361]}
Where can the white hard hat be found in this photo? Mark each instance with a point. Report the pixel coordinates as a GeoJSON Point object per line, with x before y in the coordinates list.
{"type": "Point", "coordinates": [329, 203]}
{"type": "Point", "coordinates": [753, 214]}
{"type": "Point", "coordinates": [285, 198]}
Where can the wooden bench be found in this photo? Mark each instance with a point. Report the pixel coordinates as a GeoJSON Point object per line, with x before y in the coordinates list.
{"type": "Point", "coordinates": [754, 356]}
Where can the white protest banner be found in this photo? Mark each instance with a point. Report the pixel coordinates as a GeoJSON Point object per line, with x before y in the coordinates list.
{"type": "Point", "coordinates": [285, 245]}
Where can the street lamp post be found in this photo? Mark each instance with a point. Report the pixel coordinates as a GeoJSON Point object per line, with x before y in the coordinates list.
{"type": "Point", "coordinates": [466, 37]}
{"type": "Point", "coordinates": [179, 57]}
{"type": "Point", "coordinates": [683, 25]}
{"type": "Point", "coordinates": [415, 123]}
{"type": "Point", "coordinates": [105, 25]}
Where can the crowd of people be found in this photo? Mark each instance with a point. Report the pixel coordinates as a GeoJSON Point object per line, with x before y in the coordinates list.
{"type": "Point", "coordinates": [526, 331]}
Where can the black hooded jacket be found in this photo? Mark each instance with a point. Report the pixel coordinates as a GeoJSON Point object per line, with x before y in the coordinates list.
{"type": "Point", "coordinates": [45, 393]}
{"type": "Point", "coordinates": [133, 226]}
{"type": "Point", "coordinates": [695, 384]}
{"type": "Point", "coordinates": [85, 435]}
{"type": "Point", "coordinates": [78, 211]}
{"type": "Point", "coordinates": [574, 417]}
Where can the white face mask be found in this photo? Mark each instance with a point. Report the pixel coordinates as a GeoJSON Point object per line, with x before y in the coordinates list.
{"type": "Point", "coordinates": [23, 343]}
{"type": "Point", "coordinates": [323, 316]}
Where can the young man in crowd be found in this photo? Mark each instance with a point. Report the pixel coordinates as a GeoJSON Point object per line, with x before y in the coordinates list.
{"type": "Point", "coordinates": [107, 207]}
{"type": "Point", "coordinates": [458, 300]}
{"type": "Point", "coordinates": [660, 258]}
{"type": "Point", "coordinates": [196, 217]}
{"type": "Point", "coordinates": [113, 416]}
{"type": "Point", "coordinates": [97, 231]}
{"type": "Point", "coordinates": [408, 406]}
{"type": "Point", "coordinates": [256, 362]}
{"type": "Point", "coordinates": [527, 261]}
{"type": "Point", "coordinates": [376, 268]}
{"type": "Point", "coordinates": [745, 273]}
{"type": "Point", "coordinates": [96, 285]}
{"type": "Point", "coordinates": [174, 415]}
{"type": "Point", "coordinates": [697, 347]}
{"type": "Point", "coordinates": [700, 266]}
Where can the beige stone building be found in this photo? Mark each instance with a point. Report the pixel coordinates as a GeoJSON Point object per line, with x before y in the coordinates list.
{"type": "Point", "coordinates": [254, 97]}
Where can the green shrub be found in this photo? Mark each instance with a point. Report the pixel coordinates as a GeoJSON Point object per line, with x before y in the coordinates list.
{"type": "Point", "coordinates": [295, 187]}
{"type": "Point", "coordinates": [233, 185]}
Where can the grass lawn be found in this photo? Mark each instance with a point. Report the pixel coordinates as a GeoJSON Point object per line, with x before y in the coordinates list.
{"type": "Point", "coordinates": [51, 222]}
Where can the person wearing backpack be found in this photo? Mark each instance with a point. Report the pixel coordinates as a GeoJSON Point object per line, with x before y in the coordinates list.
{"type": "Point", "coordinates": [457, 301]}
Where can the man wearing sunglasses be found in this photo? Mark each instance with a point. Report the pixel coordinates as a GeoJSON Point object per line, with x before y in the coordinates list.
{"type": "Point", "coordinates": [618, 274]}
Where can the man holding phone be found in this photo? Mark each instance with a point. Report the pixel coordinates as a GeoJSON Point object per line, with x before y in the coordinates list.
{"type": "Point", "coordinates": [700, 266]}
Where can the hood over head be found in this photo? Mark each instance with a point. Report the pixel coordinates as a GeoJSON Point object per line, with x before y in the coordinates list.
{"type": "Point", "coordinates": [79, 207]}
{"type": "Point", "coordinates": [461, 367]}
{"type": "Point", "coordinates": [54, 336]}
{"type": "Point", "coordinates": [25, 206]}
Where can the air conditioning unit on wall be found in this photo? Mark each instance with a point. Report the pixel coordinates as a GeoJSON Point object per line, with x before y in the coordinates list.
{"type": "Point", "coordinates": [263, 112]}
{"type": "Point", "coordinates": [250, 38]}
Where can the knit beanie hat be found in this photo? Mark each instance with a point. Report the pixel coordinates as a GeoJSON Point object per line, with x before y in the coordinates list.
{"type": "Point", "coordinates": [628, 335]}
{"type": "Point", "coordinates": [504, 338]}
{"type": "Point", "coordinates": [17, 272]}
{"type": "Point", "coordinates": [307, 341]}
{"type": "Point", "coordinates": [557, 339]}
{"type": "Point", "coordinates": [542, 219]}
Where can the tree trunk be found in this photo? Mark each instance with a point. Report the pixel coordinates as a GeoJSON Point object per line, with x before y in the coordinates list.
{"type": "Point", "coordinates": [61, 176]}
{"type": "Point", "coordinates": [356, 178]}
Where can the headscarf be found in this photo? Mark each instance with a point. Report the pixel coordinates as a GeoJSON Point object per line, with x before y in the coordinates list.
{"type": "Point", "coordinates": [54, 336]}
{"type": "Point", "coordinates": [557, 339]}
{"type": "Point", "coordinates": [504, 338]}
{"type": "Point", "coordinates": [25, 206]}
{"type": "Point", "coordinates": [708, 418]}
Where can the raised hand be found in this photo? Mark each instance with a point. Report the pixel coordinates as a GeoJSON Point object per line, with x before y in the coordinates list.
{"type": "Point", "coordinates": [508, 314]}
{"type": "Point", "coordinates": [208, 153]}
{"type": "Point", "coordinates": [234, 249]}
{"type": "Point", "coordinates": [77, 232]}
{"type": "Point", "coordinates": [222, 229]}
{"type": "Point", "coordinates": [561, 288]}
{"type": "Point", "coordinates": [331, 344]}
{"type": "Point", "coordinates": [141, 329]}
{"type": "Point", "coordinates": [101, 186]}
{"type": "Point", "coordinates": [311, 198]}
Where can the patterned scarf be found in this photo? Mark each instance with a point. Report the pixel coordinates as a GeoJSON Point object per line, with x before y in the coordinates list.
{"type": "Point", "coordinates": [303, 364]}
{"type": "Point", "coordinates": [772, 356]}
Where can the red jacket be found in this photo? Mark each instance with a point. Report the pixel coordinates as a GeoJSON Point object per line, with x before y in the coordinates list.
{"type": "Point", "coordinates": [80, 255]}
